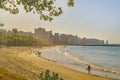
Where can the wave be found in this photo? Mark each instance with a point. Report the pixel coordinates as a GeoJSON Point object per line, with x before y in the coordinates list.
{"type": "Point", "coordinates": [85, 63]}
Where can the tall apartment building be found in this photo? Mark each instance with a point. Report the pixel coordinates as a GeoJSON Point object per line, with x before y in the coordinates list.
{"type": "Point", "coordinates": [56, 38]}
{"type": "Point", "coordinates": [102, 42]}
{"type": "Point", "coordinates": [42, 34]}
{"type": "Point", "coordinates": [107, 42]}
{"type": "Point", "coordinates": [79, 41]}
{"type": "Point", "coordinates": [63, 38]}
{"type": "Point", "coordinates": [49, 36]}
{"type": "Point", "coordinates": [70, 39]}
{"type": "Point", "coordinates": [75, 39]}
{"type": "Point", "coordinates": [83, 41]}
{"type": "Point", "coordinates": [39, 33]}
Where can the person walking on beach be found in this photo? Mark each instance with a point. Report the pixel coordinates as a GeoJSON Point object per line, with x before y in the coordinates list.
{"type": "Point", "coordinates": [89, 68]}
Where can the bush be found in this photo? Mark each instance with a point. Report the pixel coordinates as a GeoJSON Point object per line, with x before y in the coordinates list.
{"type": "Point", "coordinates": [49, 76]}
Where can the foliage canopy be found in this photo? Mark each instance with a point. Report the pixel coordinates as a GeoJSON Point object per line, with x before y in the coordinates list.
{"type": "Point", "coordinates": [45, 8]}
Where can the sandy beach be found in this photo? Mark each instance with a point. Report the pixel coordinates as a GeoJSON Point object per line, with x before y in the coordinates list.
{"type": "Point", "coordinates": [55, 54]}
{"type": "Point", "coordinates": [23, 61]}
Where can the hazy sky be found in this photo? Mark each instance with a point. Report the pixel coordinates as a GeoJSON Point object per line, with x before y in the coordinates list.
{"type": "Point", "coordinates": [88, 18]}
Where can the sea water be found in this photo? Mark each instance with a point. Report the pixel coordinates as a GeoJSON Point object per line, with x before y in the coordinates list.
{"type": "Point", "coordinates": [107, 57]}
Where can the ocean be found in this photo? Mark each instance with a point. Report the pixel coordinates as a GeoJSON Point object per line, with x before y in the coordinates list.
{"type": "Point", "coordinates": [106, 57]}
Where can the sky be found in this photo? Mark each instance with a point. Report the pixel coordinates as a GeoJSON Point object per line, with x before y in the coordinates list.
{"type": "Point", "coordinates": [88, 18]}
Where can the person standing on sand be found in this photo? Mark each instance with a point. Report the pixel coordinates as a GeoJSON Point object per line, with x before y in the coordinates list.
{"type": "Point", "coordinates": [89, 68]}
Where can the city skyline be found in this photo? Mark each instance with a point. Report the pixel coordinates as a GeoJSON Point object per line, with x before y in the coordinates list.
{"type": "Point", "coordinates": [88, 18]}
{"type": "Point", "coordinates": [55, 38]}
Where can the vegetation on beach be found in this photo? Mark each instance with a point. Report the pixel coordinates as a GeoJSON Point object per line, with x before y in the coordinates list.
{"type": "Point", "coordinates": [48, 76]}
{"type": "Point", "coordinates": [6, 75]}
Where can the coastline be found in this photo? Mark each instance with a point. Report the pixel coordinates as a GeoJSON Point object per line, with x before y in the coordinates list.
{"type": "Point", "coordinates": [60, 57]}
{"type": "Point", "coordinates": [23, 61]}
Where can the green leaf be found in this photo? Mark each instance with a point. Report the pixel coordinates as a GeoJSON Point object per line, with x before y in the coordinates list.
{"type": "Point", "coordinates": [70, 3]}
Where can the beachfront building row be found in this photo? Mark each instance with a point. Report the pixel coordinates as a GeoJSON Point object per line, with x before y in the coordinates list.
{"type": "Point", "coordinates": [75, 40]}
{"type": "Point", "coordinates": [66, 39]}
{"type": "Point", "coordinates": [48, 36]}
{"type": "Point", "coordinates": [85, 41]}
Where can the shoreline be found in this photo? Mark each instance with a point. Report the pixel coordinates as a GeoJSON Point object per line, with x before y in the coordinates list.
{"type": "Point", "coordinates": [72, 62]}
{"type": "Point", "coordinates": [22, 61]}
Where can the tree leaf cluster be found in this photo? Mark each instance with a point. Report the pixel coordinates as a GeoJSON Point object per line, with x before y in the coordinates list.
{"type": "Point", "coordinates": [70, 3]}
{"type": "Point", "coordinates": [45, 8]}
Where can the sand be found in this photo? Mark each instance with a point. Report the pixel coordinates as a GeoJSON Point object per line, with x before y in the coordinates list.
{"type": "Point", "coordinates": [24, 62]}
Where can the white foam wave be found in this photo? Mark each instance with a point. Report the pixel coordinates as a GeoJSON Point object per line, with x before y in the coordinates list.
{"type": "Point", "coordinates": [95, 67]}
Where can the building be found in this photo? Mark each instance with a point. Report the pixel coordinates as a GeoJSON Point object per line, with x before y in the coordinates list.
{"type": "Point", "coordinates": [102, 42]}
{"type": "Point", "coordinates": [42, 34]}
{"type": "Point", "coordinates": [93, 42]}
{"type": "Point", "coordinates": [70, 39]}
{"type": "Point", "coordinates": [39, 33]}
{"type": "Point", "coordinates": [63, 38]}
{"type": "Point", "coordinates": [49, 36]}
{"type": "Point", "coordinates": [83, 41]}
{"type": "Point", "coordinates": [75, 40]}
{"type": "Point", "coordinates": [79, 40]}
{"type": "Point", "coordinates": [56, 38]}
{"type": "Point", "coordinates": [107, 42]}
